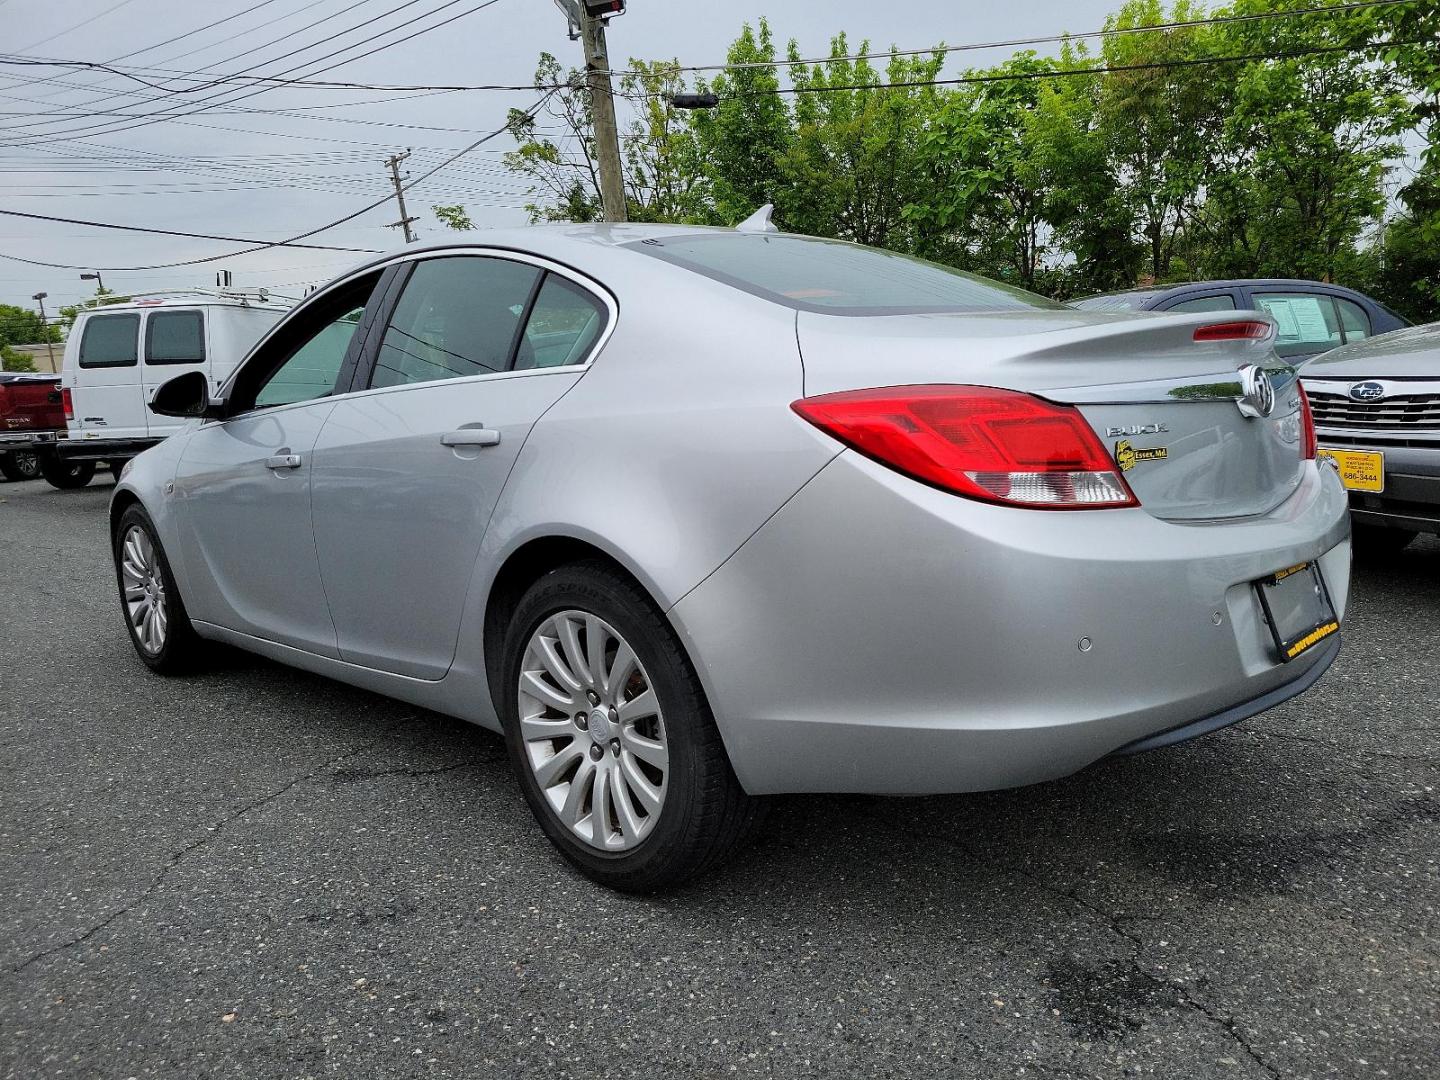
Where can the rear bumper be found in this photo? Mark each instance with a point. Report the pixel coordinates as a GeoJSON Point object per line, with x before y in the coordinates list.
{"type": "Point", "coordinates": [102, 449]}
{"type": "Point", "coordinates": [880, 636]}
{"type": "Point", "coordinates": [1306, 678]}
{"type": "Point", "coordinates": [25, 440]}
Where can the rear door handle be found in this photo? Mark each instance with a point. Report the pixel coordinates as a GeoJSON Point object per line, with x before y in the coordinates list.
{"type": "Point", "coordinates": [283, 461]}
{"type": "Point", "coordinates": [471, 436]}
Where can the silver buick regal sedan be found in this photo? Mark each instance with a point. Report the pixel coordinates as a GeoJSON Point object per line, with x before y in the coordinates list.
{"type": "Point", "coordinates": [695, 516]}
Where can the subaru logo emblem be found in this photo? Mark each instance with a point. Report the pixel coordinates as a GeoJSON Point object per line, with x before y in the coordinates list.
{"type": "Point", "coordinates": [1257, 393]}
{"type": "Point", "coordinates": [1367, 391]}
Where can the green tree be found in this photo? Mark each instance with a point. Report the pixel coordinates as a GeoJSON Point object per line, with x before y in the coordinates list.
{"type": "Point", "coordinates": [740, 143]}
{"type": "Point", "coordinates": [1407, 255]}
{"type": "Point", "coordinates": [1304, 148]}
{"type": "Point", "coordinates": [853, 163]}
{"type": "Point", "coordinates": [21, 326]}
{"type": "Point", "coordinates": [1003, 190]}
{"type": "Point", "coordinates": [1161, 124]}
{"type": "Point", "coordinates": [660, 155]}
{"type": "Point", "coordinates": [14, 360]}
{"type": "Point", "coordinates": [453, 217]}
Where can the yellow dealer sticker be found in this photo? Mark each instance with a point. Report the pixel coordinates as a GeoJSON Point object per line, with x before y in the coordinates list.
{"type": "Point", "coordinates": [1127, 456]}
{"type": "Point", "coordinates": [1360, 470]}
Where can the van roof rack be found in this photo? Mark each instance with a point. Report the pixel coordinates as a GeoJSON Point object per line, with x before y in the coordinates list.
{"type": "Point", "coordinates": [243, 297]}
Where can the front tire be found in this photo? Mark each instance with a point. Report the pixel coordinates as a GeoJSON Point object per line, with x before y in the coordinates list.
{"type": "Point", "coordinates": [66, 475]}
{"type": "Point", "coordinates": [608, 728]}
{"type": "Point", "coordinates": [18, 465]}
{"type": "Point", "coordinates": [154, 611]}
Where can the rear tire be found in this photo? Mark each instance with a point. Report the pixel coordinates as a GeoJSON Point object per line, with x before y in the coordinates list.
{"type": "Point", "coordinates": [116, 468]}
{"type": "Point", "coordinates": [147, 586]}
{"type": "Point", "coordinates": [702, 814]}
{"type": "Point", "coordinates": [18, 465]}
{"type": "Point", "coordinates": [66, 475]}
{"type": "Point", "coordinates": [1380, 539]}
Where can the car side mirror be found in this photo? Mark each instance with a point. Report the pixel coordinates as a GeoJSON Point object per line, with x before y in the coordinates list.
{"type": "Point", "coordinates": [187, 395]}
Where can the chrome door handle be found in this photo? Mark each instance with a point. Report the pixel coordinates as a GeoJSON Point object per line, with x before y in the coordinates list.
{"type": "Point", "coordinates": [477, 436]}
{"type": "Point", "coordinates": [283, 461]}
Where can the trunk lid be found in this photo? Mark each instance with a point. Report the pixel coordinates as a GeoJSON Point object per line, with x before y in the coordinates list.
{"type": "Point", "coordinates": [1166, 407]}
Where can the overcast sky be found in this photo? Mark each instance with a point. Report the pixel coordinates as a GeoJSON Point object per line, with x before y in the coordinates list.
{"type": "Point", "coordinates": [267, 176]}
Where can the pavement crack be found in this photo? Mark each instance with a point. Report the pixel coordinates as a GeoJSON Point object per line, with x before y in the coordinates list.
{"type": "Point", "coordinates": [1116, 924]}
{"type": "Point", "coordinates": [211, 831]}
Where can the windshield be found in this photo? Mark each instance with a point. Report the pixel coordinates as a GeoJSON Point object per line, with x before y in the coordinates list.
{"type": "Point", "coordinates": [836, 278]}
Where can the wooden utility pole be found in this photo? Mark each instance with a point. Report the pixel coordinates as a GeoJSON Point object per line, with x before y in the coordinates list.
{"type": "Point", "coordinates": [394, 161]}
{"type": "Point", "coordinates": [602, 111]}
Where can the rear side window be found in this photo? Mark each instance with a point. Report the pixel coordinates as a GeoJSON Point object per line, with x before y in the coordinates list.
{"type": "Point", "coordinates": [1353, 319]}
{"type": "Point", "coordinates": [1224, 302]}
{"type": "Point", "coordinates": [110, 341]}
{"type": "Point", "coordinates": [836, 278]}
{"type": "Point", "coordinates": [564, 324]}
{"type": "Point", "coordinates": [175, 337]}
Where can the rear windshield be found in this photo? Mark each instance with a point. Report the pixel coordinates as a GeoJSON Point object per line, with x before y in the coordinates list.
{"type": "Point", "coordinates": [1114, 302]}
{"type": "Point", "coordinates": [836, 278]}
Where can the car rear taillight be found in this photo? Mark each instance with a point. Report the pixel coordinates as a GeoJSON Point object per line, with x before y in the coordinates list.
{"type": "Point", "coordinates": [1001, 446]}
{"type": "Point", "coordinates": [67, 403]}
{"type": "Point", "coordinates": [1308, 446]}
{"type": "Point", "coordinates": [1242, 330]}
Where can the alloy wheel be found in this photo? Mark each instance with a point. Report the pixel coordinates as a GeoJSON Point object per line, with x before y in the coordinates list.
{"type": "Point", "coordinates": [593, 731]}
{"type": "Point", "coordinates": [144, 586]}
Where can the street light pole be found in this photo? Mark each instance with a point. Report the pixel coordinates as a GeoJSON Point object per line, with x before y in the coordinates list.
{"type": "Point", "coordinates": [95, 277]}
{"type": "Point", "coordinates": [39, 298]}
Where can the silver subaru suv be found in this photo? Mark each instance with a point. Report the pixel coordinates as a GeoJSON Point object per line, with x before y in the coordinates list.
{"type": "Point", "coordinates": [1377, 417]}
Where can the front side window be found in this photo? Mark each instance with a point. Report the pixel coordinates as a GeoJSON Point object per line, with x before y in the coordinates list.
{"type": "Point", "coordinates": [1223, 302]}
{"type": "Point", "coordinates": [305, 358]}
{"type": "Point", "coordinates": [175, 337]}
{"type": "Point", "coordinates": [836, 278]}
{"type": "Point", "coordinates": [458, 316]}
{"type": "Point", "coordinates": [1307, 322]}
{"type": "Point", "coordinates": [564, 323]}
{"type": "Point", "coordinates": [109, 341]}
{"type": "Point", "coordinates": [312, 369]}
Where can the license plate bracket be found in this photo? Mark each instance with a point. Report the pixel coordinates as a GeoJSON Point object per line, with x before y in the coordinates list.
{"type": "Point", "coordinates": [1297, 608]}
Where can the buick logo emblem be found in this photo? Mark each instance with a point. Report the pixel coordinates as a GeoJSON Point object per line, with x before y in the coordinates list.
{"type": "Point", "coordinates": [1367, 391]}
{"type": "Point", "coordinates": [1257, 393]}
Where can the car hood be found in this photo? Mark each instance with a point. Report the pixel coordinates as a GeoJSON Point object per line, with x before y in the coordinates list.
{"type": "Point", "coordinates": [1411, 353]}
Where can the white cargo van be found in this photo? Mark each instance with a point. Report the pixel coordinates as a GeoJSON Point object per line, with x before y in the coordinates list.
{"type": "Point", "coordinates": [117, 356]}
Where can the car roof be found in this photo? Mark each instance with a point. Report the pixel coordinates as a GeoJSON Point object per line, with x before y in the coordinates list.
{"type": "Point", "coordinates": [553, 239]}
{"type": "Point", "coordinates": [1149, 291]}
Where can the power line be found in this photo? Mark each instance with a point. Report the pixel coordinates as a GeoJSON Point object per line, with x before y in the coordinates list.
{"type": "Point", "coordinates": [1065, 73]}
{"type": "Point", "coordinates": [178, 37]}
{"type": "Point", "coordinates": [292, 241]}
{"type": "Point", "coordinates": [1216, 20]}
{"type": "Point", "coordinates": [10, 60]}
{"type": "Point", "coordinates": [273, 41]}
{"type": "Point", "coordinates": [83, 22]}
{"type": "Point", "coordinates": [169, 114]}
{"type": "Point", "coordinates": [167, 232]}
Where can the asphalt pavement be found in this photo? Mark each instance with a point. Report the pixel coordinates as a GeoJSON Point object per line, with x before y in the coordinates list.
{"type": "Point", "coordinates": [259, 873]}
